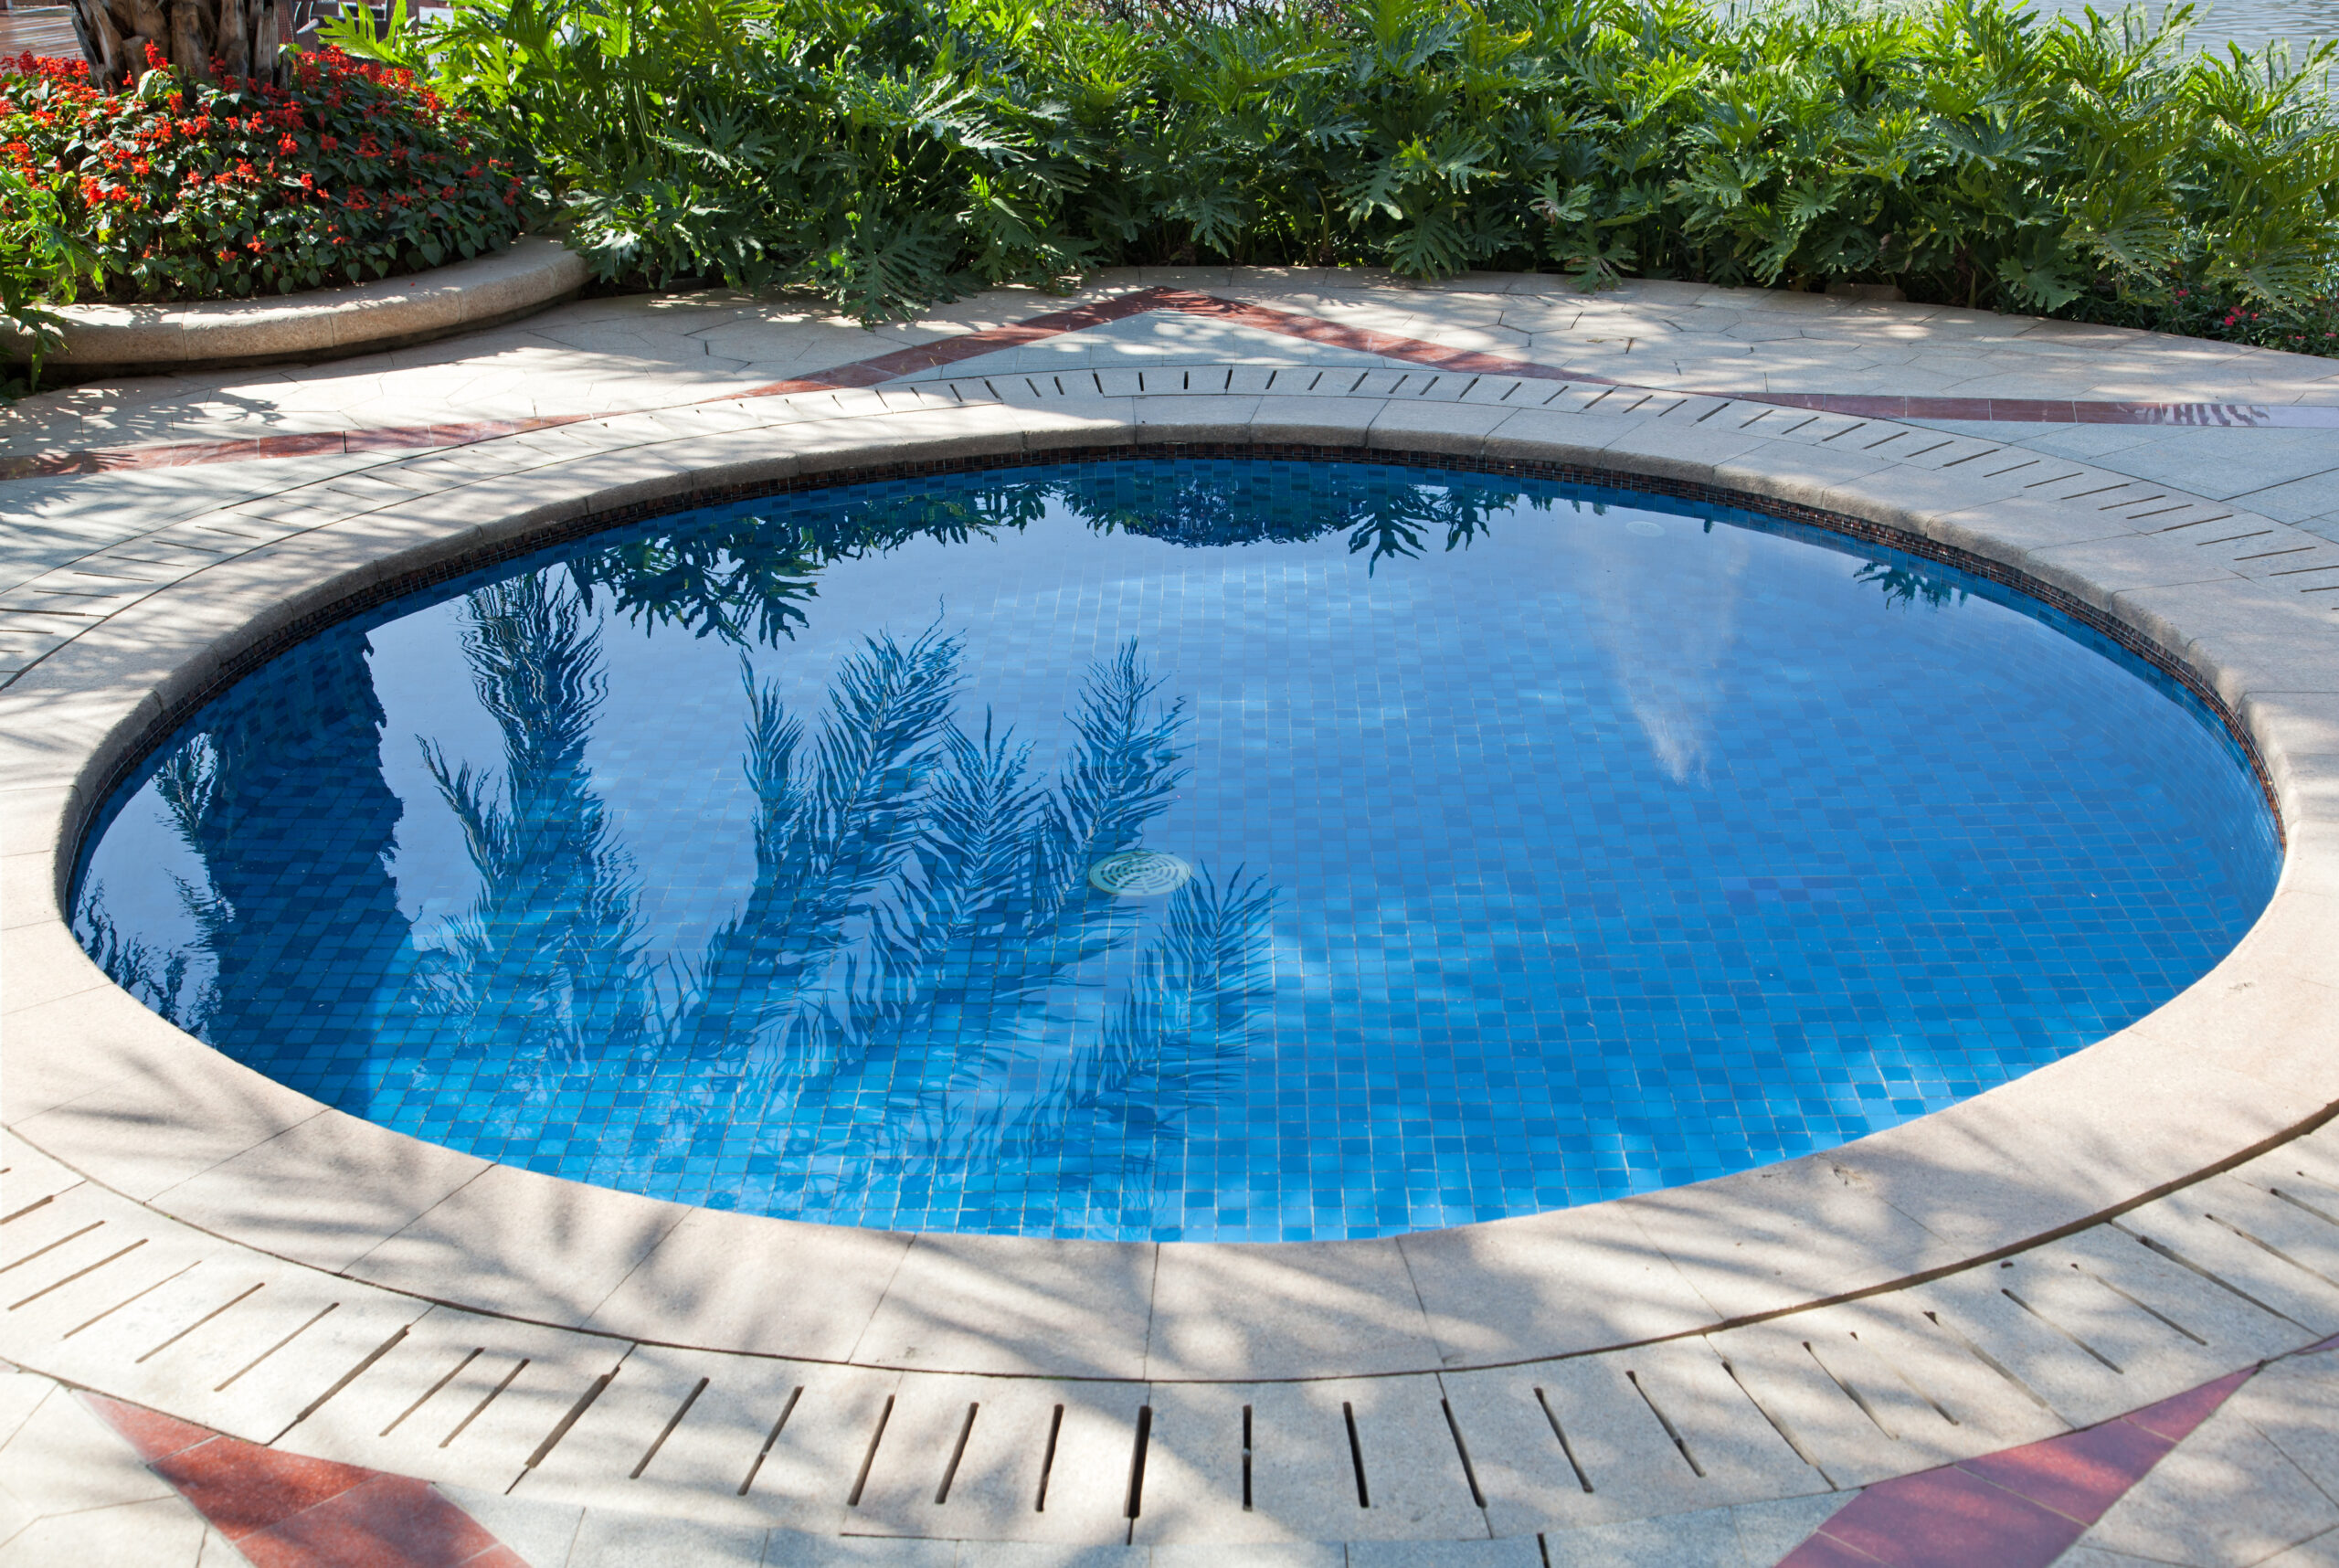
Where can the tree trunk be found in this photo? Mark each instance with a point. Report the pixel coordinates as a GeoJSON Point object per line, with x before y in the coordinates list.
{"type": "Point", "coordinates": [244, 36]}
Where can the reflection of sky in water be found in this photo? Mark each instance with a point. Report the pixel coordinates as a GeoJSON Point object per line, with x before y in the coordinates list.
{"type": "Point", "coordinates": [2252, 24]}
{"type": "Point", "coordinates": [1550, 850]}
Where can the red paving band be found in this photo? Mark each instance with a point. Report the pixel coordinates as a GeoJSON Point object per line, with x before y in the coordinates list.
{"type": "Point", "coordinates": [284, 1510]}
{"type": "Point", "coordinates": [2019, 1507]}
{"type": "Point", "coordinates": [883, 368]}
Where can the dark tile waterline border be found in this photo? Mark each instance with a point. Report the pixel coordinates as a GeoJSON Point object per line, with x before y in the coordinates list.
{"type": "Point", "coordinates": [862, 374]}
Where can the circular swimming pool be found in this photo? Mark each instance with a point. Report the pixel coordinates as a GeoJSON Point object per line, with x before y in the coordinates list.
{"type": "Point", "coordinates": [1201, 849]}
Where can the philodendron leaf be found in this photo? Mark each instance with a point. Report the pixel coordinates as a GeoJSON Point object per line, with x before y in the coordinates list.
{"type": "Point", "coordinates": [2044, 286]}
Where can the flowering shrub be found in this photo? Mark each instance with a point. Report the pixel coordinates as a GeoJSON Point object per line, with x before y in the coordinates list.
{"type": "Point", "coordinates": [2307, 323]}
{"type": "Point", "coordinates": [193, 190]}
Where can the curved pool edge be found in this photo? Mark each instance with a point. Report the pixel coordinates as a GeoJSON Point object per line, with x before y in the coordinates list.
{"type": "Point", "coordinates": [2238, 1062]}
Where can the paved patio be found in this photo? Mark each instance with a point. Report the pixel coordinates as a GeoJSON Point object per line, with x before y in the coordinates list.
{"type": "Point", "coordinates": [2060, 1371]}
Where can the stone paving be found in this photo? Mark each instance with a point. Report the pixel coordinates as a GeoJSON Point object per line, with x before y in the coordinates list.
{"type": "Point", "coordinates": [613, 355]}
{"type": "Point", "coordinates": [696, 364]}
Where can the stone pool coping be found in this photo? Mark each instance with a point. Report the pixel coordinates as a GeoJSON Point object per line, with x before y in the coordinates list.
{"type": "Point", "coordinates": [2236, 1064]}
{"type": "Point", "coordinates": [478, 291]}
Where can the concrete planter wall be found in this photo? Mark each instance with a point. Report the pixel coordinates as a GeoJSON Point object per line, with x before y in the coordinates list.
{"type": "Point", "coordinates": [326, 324]}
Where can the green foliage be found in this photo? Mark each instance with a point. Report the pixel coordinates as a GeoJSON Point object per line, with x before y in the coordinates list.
{"type": "Point", "coordinates": [894, 154]}
{"type": "Point", "coordinates": [42, 263]}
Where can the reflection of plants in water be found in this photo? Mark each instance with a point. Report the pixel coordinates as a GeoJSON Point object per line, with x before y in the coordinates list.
{"type": "Point", "coordinates": [297, 743]}
{"type": "Point", "coordinates": [918, 907]}
{"type": "Point", "coordinates": [549, 956]}
{"type": "Point", "coordinates": [751, 578]}
{"type": "Point", "coordinates": [1388, 519]}
{"type": "Point", "coordinates": [1905, 584]}
{"type": "Point", "coordinates": [156, 977]}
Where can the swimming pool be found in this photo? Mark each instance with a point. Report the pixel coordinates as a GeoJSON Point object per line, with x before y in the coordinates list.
{"type": "Point", "coordinates": [1503, 846]}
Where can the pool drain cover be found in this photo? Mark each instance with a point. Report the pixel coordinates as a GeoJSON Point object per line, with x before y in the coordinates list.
{"type": "Point", "coordinates": [1139, 873]}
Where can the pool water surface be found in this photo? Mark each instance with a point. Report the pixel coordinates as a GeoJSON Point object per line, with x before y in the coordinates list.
{"type": "Point", "coordinates": [1202, 850]}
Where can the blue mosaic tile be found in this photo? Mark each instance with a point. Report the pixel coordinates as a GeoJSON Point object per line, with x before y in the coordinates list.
{"type": "Point", "coordinates": [1549, 844]}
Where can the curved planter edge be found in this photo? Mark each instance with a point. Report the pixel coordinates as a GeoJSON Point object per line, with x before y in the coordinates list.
{"type": "Point", "coordinates": [526, 276]}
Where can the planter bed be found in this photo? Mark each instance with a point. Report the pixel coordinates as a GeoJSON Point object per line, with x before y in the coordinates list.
{"type": "Point", "coordinates": [103, 340]}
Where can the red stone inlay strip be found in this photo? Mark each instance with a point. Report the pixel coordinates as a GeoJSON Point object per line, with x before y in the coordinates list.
{"type": "Point", "coordinates": [2019, 1507]}
{"type": "Point", "coordinates": [283, 1510]}
{"type": "Point", "coordinates": [392, 438]}
{"type": "Point", "coordinates": [883, 368]}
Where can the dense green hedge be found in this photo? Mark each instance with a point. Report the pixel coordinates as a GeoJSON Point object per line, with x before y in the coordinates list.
{"type": "Point", "coordinates": [893, 153]}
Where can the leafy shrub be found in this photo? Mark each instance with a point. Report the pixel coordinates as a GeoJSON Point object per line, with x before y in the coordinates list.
{"type": "Point", "coordinates": [42, 263]}
{"type": "Point", "coordinates": [895, 152]}
{"type": "Point", "coordinates": [188, 189]}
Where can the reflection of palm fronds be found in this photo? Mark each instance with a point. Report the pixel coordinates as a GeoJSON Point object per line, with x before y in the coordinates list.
{"type": "Point", "coordinates": [900, 861]}
{"type": "Point", "coordinates": [1906, 584]}
{"type": "Point", "coordinates": [556, 906]}
{"type": "Point", "coordinates": [188, 782]}
{"type": "Point", "coordinates": [976, 866]}
{"type": "Point", "coordinates": [142, 970]}
{"type": "Point", "coordinates": [736, 578]}
{"type": "Point", "coordinates": [1181, 1030]}
{"type": "Point", "coordinates": [827, 835]}
{"type": "Point", "coordinates": [1119, 778]}
{"type": "Point", "coordinates": [742, 577]}
{"type": "Point", "coordinates": [1177, 1042]}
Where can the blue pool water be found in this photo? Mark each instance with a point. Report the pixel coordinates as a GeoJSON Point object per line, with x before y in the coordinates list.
{"type": "Point", "coordinates": [1546, 844]}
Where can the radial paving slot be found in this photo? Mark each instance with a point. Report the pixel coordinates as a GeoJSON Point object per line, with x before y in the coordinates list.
{"type": "Point", "coordinates": [668, 1430]}
{"type": "Point", "coordinates": [769, 1439]}
{"type": "Point", "coordinates": [2271, 1250]}
{"type": "Point", "coordinates": [861, 1480]}
{"type": "Point", "coordinates": [1135, 1503]}
{"type": "Point", "coordinates": [235, 1376]}
{"type": "Point", "coordinates": [40, 1202]}
{"type": "Point", "coordinates": [1991, 1361]}
{"type": "Point", "coordinates": [2058, 1328]}
{"type": "Point", "coordinates": [245, 1296]}
{"type": "Point", "coordinates": [958, 1454]}
{"type": "Point", "coordinates": [43, 1251]}
{"type": "Point", "coordinates": [1897, 1370]}
{"type": "Point", "coordinates": [560, 1430]}
{"type": "Point", "coordinates": [491, 1395]}
{"type": "Point", "coordinates": [1246, 1458]}
{"type": "Point", "coordinates": [428, 1393]}
{"type": "Point", "coordinates": [1048, 1459]}
{"type": "Point", "coordinates": [1679, 1443]}
{"type": "Point", "coordinates": [1850, 1392]}
{"type": "Point", "coordinates": [2163, 1250]}
{"type": "Point", "coordinates": [352, 1375]}
{"type": "Point", "coordinates": [84, 1273]}
{"type": "Point", "coordinates": [2145, 1307]}
{"type": "Point", "coordinates": [1355, 1454]}
{"type": "Point", "coordinates": [1778, 1423]}
{"type": "Point", "coordinates": [1462, 1449]}
{"type": "Point", "coordinates": [1567, 1450]}
{"type": "Point", "coordinates": [130, 1300]}
{"type": "Point", "coordinates": [2302, 1206]}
